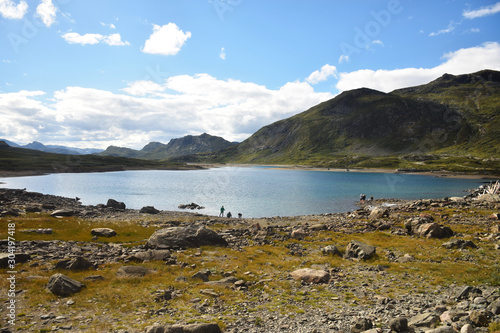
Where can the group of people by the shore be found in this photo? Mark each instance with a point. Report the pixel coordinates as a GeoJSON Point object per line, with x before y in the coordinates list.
{"type": "Point", "coordinates": [362, 198]}
{"type": "Point", "coordinates": [222, 210]}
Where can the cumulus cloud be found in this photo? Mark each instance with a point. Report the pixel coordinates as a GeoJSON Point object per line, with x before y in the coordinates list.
{"type": "Point", "coordinates": [153, 111]}
{"type": "Point", "coordinates": [47, 12]}
{"type": "Point", "coordinates": [468, 60]}
{"type": "Point", "coordinates": [10, 10]}
{"type": "Point", "coordinates": [322, 75]}
{"type": "Point", "coordinates": [166, 40]}
{"type": "Point", "coordinates": [92, 39]}
{"type": "Point", "coordinates": [483, 11]}
{"type": "Point", "coordinates": [450, 28]}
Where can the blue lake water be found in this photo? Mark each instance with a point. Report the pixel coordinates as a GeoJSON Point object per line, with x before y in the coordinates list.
{"type": "Point", "coordinates": [252, 191]}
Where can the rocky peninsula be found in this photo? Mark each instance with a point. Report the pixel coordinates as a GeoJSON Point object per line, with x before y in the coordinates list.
{"type": "Point", "coordinates": [389, 266]}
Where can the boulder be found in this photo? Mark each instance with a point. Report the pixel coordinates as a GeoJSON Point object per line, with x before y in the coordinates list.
{"type": "Point", "coordinates": [378, 213]}
{"type": "Point", "coordinates": [61, 285]}
{"type": "Point", "coordinates": [149, 210]}
{"type": "Point", "coordinates": [202, 275]}
{"type": "Point", "coordinates": [399, 325]}
{"type": "Point", "coordinates": [426, 319]}
{"type": "Point", "coordinates": [62, 213]}
{"type": "Point", "coordinates": [467, 328]}
{"type": "Point", "coordinates": [299, 233]}
{"type": "Point", "coordinates": [424, 228]}
{"type": "Point", "coordinates": [132, 271]}
{"type": "Point", "coordinates": [361, 325]}
{"type": "Point", "coordinates": [192, 328]}
{"type": "Point", "coordinates": [184, 237]}
{"type": "Point", "coordinates": [18, 257]}
{"type": "Point", "coordinates": [479, 319]}
{"type": "Point", "coordinates": [75, 264]}
{"type": "Point", "coordinates": [459, 244]}
{"type": "Point", "coordinates": [103, 232]}
{"type": "Point", "coordinates": [330, 250]}
{"type": "Point", "coordinates": [192, 205]}
{"type": "Point", "coordinates": [467, 292]}
{"type": "Point", "coordinates": [309, 275]}
{"type": "Point", "coordinates": [359, 250]}
{"type": "Point", "coordinates": [150, 255]}
{"type": "Point", "coordinates": [115, 204]}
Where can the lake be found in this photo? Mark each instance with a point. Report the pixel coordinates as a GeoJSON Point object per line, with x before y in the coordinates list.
{"type": "Point", "coordinates": [252, 191]}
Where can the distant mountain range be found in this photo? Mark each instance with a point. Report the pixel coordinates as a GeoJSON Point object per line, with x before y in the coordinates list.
{"type": "Point", "coordinates": [53, 148]}
{"type": "Point", "coordinates": [187, 145]}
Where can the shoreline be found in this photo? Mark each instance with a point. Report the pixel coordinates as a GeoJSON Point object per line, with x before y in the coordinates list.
{"type": "Point", "coordinates": [447, 174]}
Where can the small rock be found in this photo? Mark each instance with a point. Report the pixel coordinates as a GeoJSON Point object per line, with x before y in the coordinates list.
{"type": "Point", "coordinates": [149, 210]}
{"type": "Point", "coordinates": [359, 250]}
{"type": "Point", "coordinates": [64, 286]}
{"type": "Point", "coordinates": [103, 232]}
{"type": "Point", "coordinates": [132, 271]}
{"type": "Point", "coordinates": [115, 204]}
{"type": "Point", "coordinates": [309, 275]}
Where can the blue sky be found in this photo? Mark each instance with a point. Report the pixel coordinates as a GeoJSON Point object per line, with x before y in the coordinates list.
{"type": "Point", "coordinates": [99, 73]}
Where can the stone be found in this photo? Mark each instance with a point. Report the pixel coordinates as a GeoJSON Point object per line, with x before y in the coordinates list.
{"type": "Point", "coordinates": [433, 230]}
{"type": "Point", "coordinates": [359, 250]}
{"type": "Point", "coordinates": [149, 210]}
{"type": "Point", "coordinates": [361, 325]}
{"type": "Point", "coordinates": [18, 257]}
{"type": "Point", "coordinates": [192, 328]}
{"type": "Point", "coordinates": [467, 328]}
{"type": "Point", "coordinates": [201, 275]}
{"type": "Point", "coordinates": [103, 232]}
{"type": "Point", "coordinates": [227, 281]}
{"type": "Point", "coordinates": [75, 264]}
{"type": "Point", "coordinates": [399, 325]}
{"type": "Point", "coordinates": [309, 275]}
{"type": "Point", "coordinates": [426, 319]}
{"type": "Point", "coordinates": [459, 244]}
{"type": "Point", "coordinates": [61, 285]}
{"type": "Point", "coordinates": [479, 319]}
{"type": "Point", "coordinates": [62, 213]}
{"type": "Point", "coordinates": [442, 329]}
{"type": "Point", "coordinates": [299, 233]}
{"type": "Point", "coordinates": [330, 250]}
{"type": "Point", "coordinates": [150, 255]}
{"type": "Point", "coordinates": [378, 213]}
{"type": "Point", "coordinates": [132, 271]}
{"type": "Point", "coordinates": [495, 307]}
{"type": "Point", "coordinates": [184, 237]}
{"type": "Point", "coordinates": [468, 291]}
{"type": "Point", "coordinates": [115, 204]}
{"type": "Point", "coordinates": [93, 278]}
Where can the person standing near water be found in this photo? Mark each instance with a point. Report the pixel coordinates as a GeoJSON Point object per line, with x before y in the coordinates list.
{"type": "Point", "coordinates": [222, 209]}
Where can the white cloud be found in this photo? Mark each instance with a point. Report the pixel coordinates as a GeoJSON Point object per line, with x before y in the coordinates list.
{"type": "Point", "coordinates": [47, 11]}
{"type": "Point", "coordinates": [111, 25]}
{"type": "Point", "coordinates": [343, 58]}
{"type": "Point", "coordinates": [9, 9]}
{"type": "Point", "coordinates": [152, 111]}
{"type": "Point", "coordinates": [322, 75]}
{"type": "Point", "coordinates": [222, 54]}
{"type": "Point", "coordinates": [166, 40]}
{"type": "Point", "coordinates": [485, 56]}
{"type": "Point", "coordinates": [92, 39]}
{"type": "Point", "coordinates": [449, 29]}
{"type": "Point", "coordinates": [483, 11]}
{"type": "Point", "coordinates": [143, 88]}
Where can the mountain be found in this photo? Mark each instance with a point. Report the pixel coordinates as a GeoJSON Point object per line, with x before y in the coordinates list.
{"type": "Point", "coordinates": [186, 145]}
{"type": "Point", "coordinates": [457, 116]}
{"type": "Point", "coordinates": [54, 148]}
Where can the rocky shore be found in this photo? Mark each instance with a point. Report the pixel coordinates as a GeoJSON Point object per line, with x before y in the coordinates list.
{"type": "Point", "coordinates": [391, 266]}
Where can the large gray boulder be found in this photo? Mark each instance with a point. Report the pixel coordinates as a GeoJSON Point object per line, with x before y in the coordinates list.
{"type": "Point", "coordinates": [61, 285]}
{"type": "Point", "coordinates": [359, 250]}
{"type": "Point", "coordinates": [184, 237]}
{"type": "Point", "coordinates": [309, 275]}
{"type": "Point", "coordinates": [103, 232]}
{"type": "Point", "coordinates": [112, 203]}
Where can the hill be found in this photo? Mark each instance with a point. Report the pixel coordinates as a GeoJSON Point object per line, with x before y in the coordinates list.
{"type": "Point", "coordinates": [186, 145]}
{"type": "Point", "coordinates": [54, 148]}
{"type": "Point", "coordinates": [14, 159]}
{"type": "Point", "coordinates": [450, 123]}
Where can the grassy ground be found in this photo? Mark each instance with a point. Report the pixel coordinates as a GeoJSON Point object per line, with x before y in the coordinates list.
{"type": "Point", "coordinates": [114, 303]}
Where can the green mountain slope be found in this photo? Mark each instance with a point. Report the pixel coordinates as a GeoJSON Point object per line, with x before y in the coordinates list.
{"type": "Point", "coordinates": [450, 123]}
{"type": "Point", "coordinates": [23, 159]}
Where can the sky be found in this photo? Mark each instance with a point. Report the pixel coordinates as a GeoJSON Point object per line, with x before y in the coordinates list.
{"type": "Point", "coordinates": [95, 73]}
